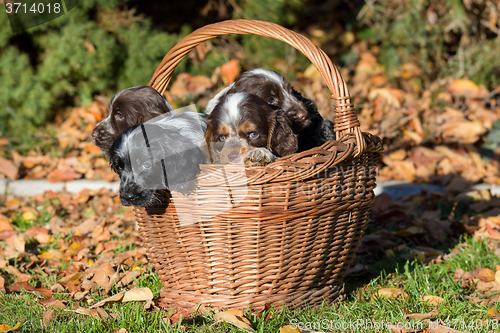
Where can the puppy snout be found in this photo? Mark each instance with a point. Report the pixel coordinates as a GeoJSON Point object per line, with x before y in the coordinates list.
{"type": "Point", "coordinates": [302, 115]}
{"type": "Point", "coordinates": [234, 157]}
{"type": "Point", "coordinates": [94, 134]}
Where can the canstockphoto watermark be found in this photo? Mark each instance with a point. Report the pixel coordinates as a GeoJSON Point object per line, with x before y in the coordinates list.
{"type": "Point", "coordinates": [27, 14]}
{"type": "Point", "coordinates": [361, 325]}
{"type": "Point", "coordinates": [369, 325]}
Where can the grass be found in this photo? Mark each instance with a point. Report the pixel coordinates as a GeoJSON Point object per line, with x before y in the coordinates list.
{"type": "Point", "coordinates": [360, 313]}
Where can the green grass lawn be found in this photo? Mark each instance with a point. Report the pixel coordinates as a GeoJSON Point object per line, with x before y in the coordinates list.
{"type": "Point", "coordinates": [359, 313]}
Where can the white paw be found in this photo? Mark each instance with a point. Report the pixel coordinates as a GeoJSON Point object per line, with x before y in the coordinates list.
{"type": "Point", "coordinates": [258, 157]}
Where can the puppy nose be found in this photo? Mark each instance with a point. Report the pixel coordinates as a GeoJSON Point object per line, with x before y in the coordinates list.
{"type": "Point", "coordinates": [233, 156]}
{"type": "Point", "coordinates": [94, 134]}
{"type": "Point", "coordinates": [126, 195]}
{"type": "Point", "coordinates": [302, 115]}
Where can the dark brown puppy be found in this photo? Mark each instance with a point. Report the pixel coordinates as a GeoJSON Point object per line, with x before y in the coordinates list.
{"type": "Point", "coordinates": [129, 107]}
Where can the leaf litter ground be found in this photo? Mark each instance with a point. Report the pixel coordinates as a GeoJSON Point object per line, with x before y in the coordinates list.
{"type": "Point", "coordinates": [75, 263]}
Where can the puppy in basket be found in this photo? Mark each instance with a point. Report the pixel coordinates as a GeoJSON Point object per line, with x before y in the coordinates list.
{"type": "Point", "coordinates": [312, 129]}
{"type": "Point", "coordinates": [244, 128]}
{"type": "Point", "coordinates": [160, 155]}
{"type": "Point", "coordinates": [129, 107]}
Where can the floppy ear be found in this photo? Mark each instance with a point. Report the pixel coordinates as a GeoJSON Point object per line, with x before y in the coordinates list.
{"type": "Point", "coordinates": [205, 145]}
{"type": "Point", "coordinates": [283, 140]}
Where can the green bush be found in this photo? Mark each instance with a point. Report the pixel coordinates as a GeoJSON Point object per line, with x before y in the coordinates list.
{"type": "Point", "coordinates": [444, 37]}
{"type": "Point", "coordinates": [75, 57]}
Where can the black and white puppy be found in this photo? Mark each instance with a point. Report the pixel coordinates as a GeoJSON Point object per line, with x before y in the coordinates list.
{"type": "Point", "coordinates": [159, 155]}
{"type": "Point", "coordinates": [312, 129]}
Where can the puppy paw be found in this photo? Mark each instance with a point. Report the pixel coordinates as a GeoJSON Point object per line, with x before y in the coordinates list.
{"type": "Point", "coordinates": [258, 157]}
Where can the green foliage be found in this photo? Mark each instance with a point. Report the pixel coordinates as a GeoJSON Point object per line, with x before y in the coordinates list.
{"type": "Point", "coordinates": [445, 37]}
{"type": "Point", "coordinates": [96, 48]}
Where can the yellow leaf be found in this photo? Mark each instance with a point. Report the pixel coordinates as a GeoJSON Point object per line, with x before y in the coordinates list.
{"type": "Point", "coordinates": [493, 313]}
{"type": "Point", "coordinates": [497, 276]}
{"type": "Point", "coordinates": [394, 293]}
{"type": "Point", "coordinates": [138, 294]}
{"type": "Point", "coordinates": [233, 319]}
{"type": "Point", "coordinates": [463, 86]}
{"type": "Point", "coordinates": [433, 300]}
{"type": "Point", "coordinates": [28, 216]}
{"type": "Point", "coordinates": [311, 72]}
{"type": "Point", "coordinates": [5, 328]}
{"type": "Point", "coordinates": [289, 329]}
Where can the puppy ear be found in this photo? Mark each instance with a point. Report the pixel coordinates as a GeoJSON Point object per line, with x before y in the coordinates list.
{"type": "Point", "coordinates": [205, 145]}
{"type": "Point", "coordinates": [283, 140]}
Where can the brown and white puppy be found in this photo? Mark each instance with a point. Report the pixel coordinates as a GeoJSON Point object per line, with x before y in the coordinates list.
{"type": "Point", "coordinates": [312, 129]}
{"type": "Point", "coordinates": [129, 107]}
{"type": "Point", "coordinates": [244, 128]}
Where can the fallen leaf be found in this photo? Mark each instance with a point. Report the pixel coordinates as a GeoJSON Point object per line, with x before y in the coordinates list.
{"type": "Point", "coordinates": [230, 71]}
{"type": "Point", "coordinates": [63, 174]}
{"type": "Point", "coordinates": [138, 294]}
{"type": "Point", "coordinates": [25, 286]}
{"type": "Point", "coordinates": [493, 313]}
{"type": "Point", "coordinates": [54, 302]}
{"type": "Point", "coordinates": [433, 300]}
{"type": "Point", "coordinates": [2, 284]}
{"type": "Point", "coordinates": [289, 329]}
{"type": "Point", "coordinates": [422, 316]}
{"type": "Point", "coordinates": [6, 328]}
{"type": "Point", "coordinates": [462, 87]}
{"type": "Point", "coordinates": [497, 276]}
{"type": "Point", "coordinates": [47, 317]}
{"type": "Point", "coordinates": [235, 317]}
{"type": "Point", "coordinates": [110, 300]}
{"type": "Point", "coordinates": [394, 293]}
{"type": "Point", "coordinates": [8, 168]}
{"type": "Point", "coordinates": [484, 274]}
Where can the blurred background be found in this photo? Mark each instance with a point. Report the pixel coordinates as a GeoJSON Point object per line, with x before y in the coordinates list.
{"type": "Point", "coordinates": [424, 76]}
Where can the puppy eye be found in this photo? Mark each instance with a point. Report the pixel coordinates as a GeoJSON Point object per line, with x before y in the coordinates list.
{"type": "Point", "coordinates": [222, 137]}
{"type": "Point", "coordinates": [146, 166]}
{"type": "Point", "coordinates": [119, 116]}
{"type": "Point", "coordinates": [272, 100]}
{"type": "Point", "coordinates": [253, 135]}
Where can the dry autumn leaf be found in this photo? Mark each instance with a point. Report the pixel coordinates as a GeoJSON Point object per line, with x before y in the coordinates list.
{"type": "Point", "coordinates": [289, 329]}
{"type": "Point", "coordinates": [391, 293]}
{"type": "Point", "coordinates": [230, 71]}
{"type": "Point", "coordinates": [110, 300]}
{"type": "Point", "coordinates": [462, 87]}
{"type": "Point", "coordinates": [484, 274]}
{"type": "Point", "coordinates": [494, 314]}
{"type": "Point", "coordinates": [422, 316]}
{"type": "Point", "coordinates": [47, 317]}
{"type": "Point", "coordinates": [433, 300]}
{"type": "Point", "coordinates": [138, 294]}
{"type": "Point", "coordinates": [234, 317]}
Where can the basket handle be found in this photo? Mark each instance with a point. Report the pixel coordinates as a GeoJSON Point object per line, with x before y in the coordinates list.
{"type": "Point", "coordinates": [345, 119]}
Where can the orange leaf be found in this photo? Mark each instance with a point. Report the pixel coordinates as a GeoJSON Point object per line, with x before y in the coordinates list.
{"type": "Point", "coordinates": [230, 71]}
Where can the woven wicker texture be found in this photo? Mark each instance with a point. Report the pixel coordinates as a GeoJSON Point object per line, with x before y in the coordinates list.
{"type": "Point", "coordinates": [295, 231]}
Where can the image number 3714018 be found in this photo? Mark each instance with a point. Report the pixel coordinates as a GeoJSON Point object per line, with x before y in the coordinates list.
{"type": "Point", "coordinates": [24, 15]}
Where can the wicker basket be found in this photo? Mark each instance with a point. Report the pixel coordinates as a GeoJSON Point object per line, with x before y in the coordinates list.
{"type": "Point", "coordinates": [292, 239]}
